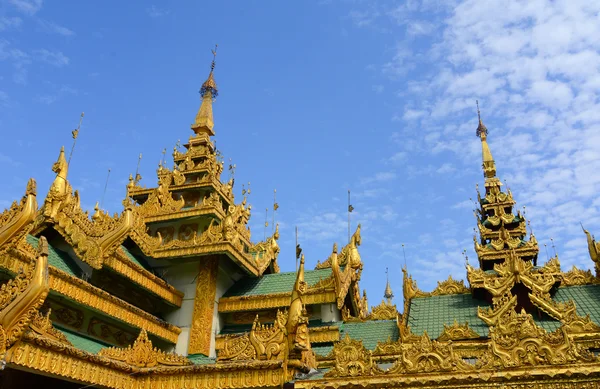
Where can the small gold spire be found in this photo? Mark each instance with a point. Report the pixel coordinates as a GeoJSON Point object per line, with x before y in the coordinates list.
{"type": "Point", "coordinates": [204, 119]}
{"type": "Point", "coordinates": [489, 166]}
{"type": "Point", "coordinates": [388, 294]}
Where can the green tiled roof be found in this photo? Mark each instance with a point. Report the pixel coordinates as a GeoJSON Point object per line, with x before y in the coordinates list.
{"type": "Point", "coordinates": [58, 258]}
{"type": "Point", "coordinates": [274, 283]}
{"type": "Point", "coordinates": [586, 297]}
{"type": "Point", "coordinates": [431, 313]}
{"type": "Point", "coordinates": [200, 359]}
{"type": "Point", "coordinates": [322, 350]}
{"type": "Point", "coordinates": [370, 332]}
{"type": "Point", "coordinates": [83, 343]}
{"type": "Point", "coordinates": [134, 259]}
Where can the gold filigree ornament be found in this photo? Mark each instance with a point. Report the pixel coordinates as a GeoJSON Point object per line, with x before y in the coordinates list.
{"type": "Point", "coordinates": [42, 325]}
{"type": "Point", "coordinates": [450, 286]}
{"type": "Point", "coordinates": [427, 356]}
{"type": "Point", "coordinates": [457, 332]}
{"type": "Point", "coordinates": [352, 359]}
{"type": "Point", "coordinates": [15, 222]}
{"type": "Point", "coordinates": [518, 341]}
{"type": "Point", "coordinates": [577, 276]}
{"type": "Point", "coordinates": [143, 354]}
{"type": "Point", "coordinates": [21, 297]}
{"type": "Point", "coordinates": [383, 311]}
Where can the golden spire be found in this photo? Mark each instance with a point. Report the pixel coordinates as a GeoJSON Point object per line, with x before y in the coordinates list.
{"type": "Point", "coordinates": [489, 166]}
{"type": "Point", "coordinates": [204, 119]}
{"type": "Point", "coordinates": [388, 294]}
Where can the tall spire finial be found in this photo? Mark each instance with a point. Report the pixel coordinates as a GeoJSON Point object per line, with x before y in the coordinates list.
{"type": "Point", "coordinates": [489, 166]}
{"type": "Point", "coordinates": [482, 130]}
{"type": "Point", "coordinates": [204, 118]}
{"type": "Point", "coordinates": [210, 85]}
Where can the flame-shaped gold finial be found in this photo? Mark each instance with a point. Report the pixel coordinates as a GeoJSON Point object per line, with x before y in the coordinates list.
{"type": "Point", "coordinates": [204, 119]}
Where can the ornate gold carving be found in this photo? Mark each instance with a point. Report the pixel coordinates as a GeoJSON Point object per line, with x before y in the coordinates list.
{"type": "Point", "coordinates": [352, 359]}
{"type": "Point", "coordinates": [274, 300]}
{"type": "Point", "coordinates": [21, 297]}
{"type": "Point", "coordinates": [518, 341]}
{"type": "Point", "coordinates": [457, 332]}
{"type": "Point", "coordinates": [383, 311]}
{"type": "Point", "coordinates": [389, 347]}
{"type": "Point", "coordinates": [120, 263]}
{"type": "Point", "coordinates": [206, 288]}
{"type": "Point", "coordinates": [42, 325]}
{"type": "Point", "coordinates": [593, 250]}
{"type": "Point", "coordinates": [15, 221]}
{"type": "Point", "coordinates": [60, 360]}
{"type": "Point", "coordinates": [577, 276]}
{"type": "Point", "coordinates": [450, 286]}
{"type": "Point", "coordinates": [102, 330]}
{"type": "Point", "coordinates": [96, 298]}
{"type": "Point", "coordinates": [143, 354]}
{"type": "Point", "coordinates": [264, 342]}
{"type": "Point", "coordinates": [348, 255]}
{"type": "Point", "coordinates": [266, 253]}
{"type": "Point", "coordinates": [327, 334]}
{"type": "Point", "coordinates": [428, 356]}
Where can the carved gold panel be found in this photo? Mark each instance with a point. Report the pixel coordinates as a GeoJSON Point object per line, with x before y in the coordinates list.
{"type": "Point", "coordinates": [110, 333]}
{"type": "Point", "coordinates": [206, 289]}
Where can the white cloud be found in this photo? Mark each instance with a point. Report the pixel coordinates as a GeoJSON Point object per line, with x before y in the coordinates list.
{"type": "Point", "coordinates": [155, 12]}
{"type": "Point", "coordinates": [53, 28]}
{"type": "Point", "coordinates": [378, 177]}
{"type": "Point", "coordinates": [29, 7]}
{"type": "Point", "coordinates": [55, 58]}
{"type": "Point", "coordinates": [9, 22]}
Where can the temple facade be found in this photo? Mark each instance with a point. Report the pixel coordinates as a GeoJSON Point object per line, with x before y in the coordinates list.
{"type": "Point", "coordinates": [173, 292]}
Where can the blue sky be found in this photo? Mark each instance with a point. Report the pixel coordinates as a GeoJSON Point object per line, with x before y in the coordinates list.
{"type": "Point", "coordinates": [317, 98]}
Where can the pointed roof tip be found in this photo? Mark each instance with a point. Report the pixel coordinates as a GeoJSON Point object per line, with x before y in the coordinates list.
{"type": "Point", "coordinates": [388, 294]}
{"type": "Point", "coordinates": [210, 85]}
{"type": "Point", "coordinates": [482, 130]}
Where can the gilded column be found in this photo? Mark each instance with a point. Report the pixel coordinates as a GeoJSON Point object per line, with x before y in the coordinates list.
{"type": "Point", "coordinates": [204, 304]}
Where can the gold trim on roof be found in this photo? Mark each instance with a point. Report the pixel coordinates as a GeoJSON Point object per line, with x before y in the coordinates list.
{"type": "Point", "coordinates": [143, 354]}
{"type": "Point", "coordinates": [95, 298]}
{"type": "Point", "coordinates": [15, 220]}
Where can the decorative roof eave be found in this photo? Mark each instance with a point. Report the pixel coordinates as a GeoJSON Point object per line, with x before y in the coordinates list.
{"type": "Point", "coordinates": [95, 298]}
{"type": "Point", "coordinates": [529, 249]}
{"type": "Point", "coordinates": [49, 357]}
{"type": "Point", "coordinates": [16, 221]}
{"type": "Point", "coordinates": [572, 376]}
{"type": "Point", "coordinates": [92, 241]}
{"type": "Point", "coordinates": [228, 248]}
{"type": "Point", "coordinates": [90, 296]}
{"type": "Point", "coordinates": [204, 182]}
{"type": "Point", "coordinates": [201, 210]}
{"type": "Point", "coordinates": [577, 276]}
{"type": "Point", "coordinates": [449, 286]}
{"type": "Point", "coordinates": [121, 264]}
{"type": "Point", "coordinates": [274, 300]}
{"type": "Point", "coordinates": [21, 297]}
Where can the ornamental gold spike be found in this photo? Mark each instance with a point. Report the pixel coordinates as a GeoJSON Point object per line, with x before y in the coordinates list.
{"type": "Point", "coordinates": [489, 166]}
{"type": "Point", "coordinates": [204, 119]}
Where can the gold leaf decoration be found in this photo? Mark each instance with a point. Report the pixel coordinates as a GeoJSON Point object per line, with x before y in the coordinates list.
{"type": "Point", "coordinates": [143, 354]}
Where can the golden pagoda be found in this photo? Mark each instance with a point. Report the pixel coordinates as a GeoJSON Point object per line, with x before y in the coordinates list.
{"type": "Point", "coordinates": [174, 293]}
